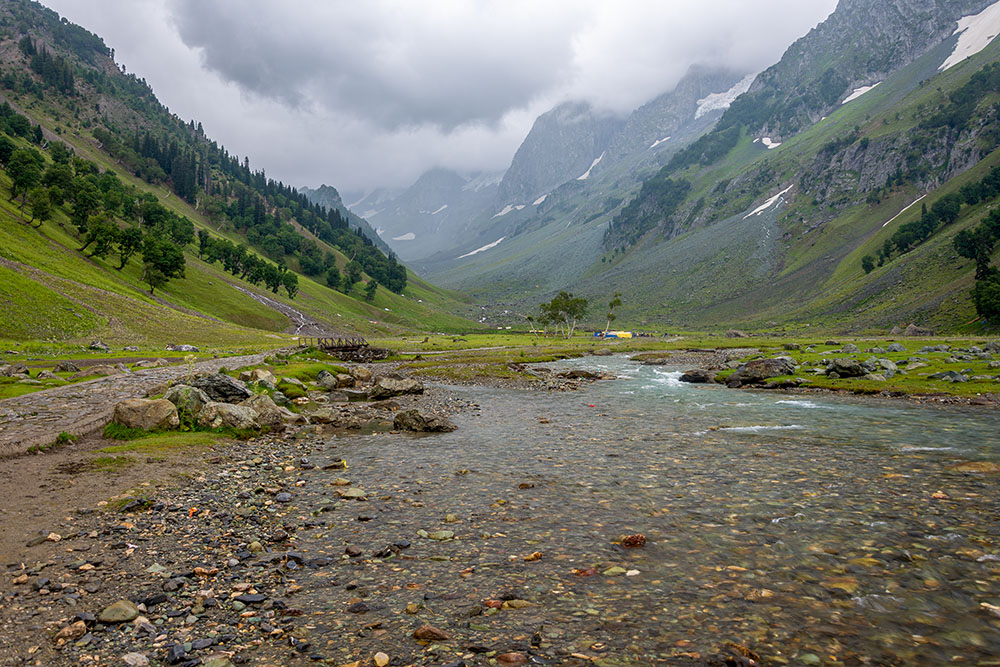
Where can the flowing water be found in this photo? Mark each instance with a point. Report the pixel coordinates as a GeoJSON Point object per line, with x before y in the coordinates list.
{"type": "Point", "coordinates": [810, 529]}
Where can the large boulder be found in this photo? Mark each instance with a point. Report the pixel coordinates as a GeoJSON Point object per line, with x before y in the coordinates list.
{"type": "Point", "coordinates": [896, 347]}
{"type": "Point", "coordinates": [758, 370]}
{"type": "Point", "coordinates": [99, 346]}
{"type": "Point", "coordinates": [326, 379]}
{"type": "Point", "coordinates": [413, 420]}
{"type": "Point", "coordinates": [217, 415]}
{"type": "Point", "coordinates": [267, 413]}
{"type": "Point", "coordinates": [387, 387]}
{"type": "Point", "coordinates": [151, 363]}
{"type": "Point", "coordinates": [66, 367]}
{"type": "Point", "coordinates": [182, 348]}
{"type": "Point", "coordinates": [736, 333]}
{"type": "Point", "coordinates": [222, 388]}
{"type": "Point", "coordinates": [845, 368]}
{"type": "Point", "coordinates": [914, 330]}
{"type": "Point", "coordinates": [187, 398]}
{"type": "Point", "coordinates": [101, 370]}
{"type": "Point", "coordinates": [146, 414]}
{"type": "Point", "coordinates": [850, 348]}
{"type": "Point", "coordinates": [698, 376]}
{"type": "Point", "coordinates": [361, 374]}
{"type": "Point", "coordinates": [260, 376]}
{"type": "Point", "coordinates": [47, 375]}
{"type": "Point", "coordinates": [14, 370]}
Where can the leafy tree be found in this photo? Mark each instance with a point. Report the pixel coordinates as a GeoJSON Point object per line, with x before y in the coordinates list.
{"type": "Point", "coordinates": [129, 242]}
{"type": "Point", "coordinates": [102, 234]}
{"type": "Point", "coordinates": [353, 276]}
{"type": "Point", "coordinates": [25, 172]}
{"type": "Point", "coordinates": [976, 244]}
{"type": "Point", "coordinates": [162, 260]}
{"type": "Point", "coordinates": [290, 280]}
{"type": "Point", "coordinates": [86, 201]}
{"type": "Point", "coordinates": [986, 296]}
{"type": "Point", "coordinates": [333, 277]}
{"type": "Point", "coordinates": [868, 263]}
{"type": "Point", "coordinates": [614, 303]}
{"type": "Point", "coordinates": [40, 203]}
{"type": "Point", "coordinates": [565, 310]}
{"type": "Point", "coordinates": [370, 290]}
{"type": "Point", "coordinates": [7, 148]}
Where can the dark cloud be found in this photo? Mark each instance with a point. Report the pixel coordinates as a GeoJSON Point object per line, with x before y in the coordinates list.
{"type": "Point", "coordinates": [365, 93]}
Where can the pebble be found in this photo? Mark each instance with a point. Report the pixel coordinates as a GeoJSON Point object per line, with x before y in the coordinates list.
{"type": "Point", "coordinates": [381, 659]}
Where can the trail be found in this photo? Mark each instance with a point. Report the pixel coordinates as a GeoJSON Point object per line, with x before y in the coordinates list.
{"type": "Point", "coordinates": [36, 419]}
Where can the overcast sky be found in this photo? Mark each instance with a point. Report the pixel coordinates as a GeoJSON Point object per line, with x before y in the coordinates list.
{"type": "Point", "coordinates": [359, 94]}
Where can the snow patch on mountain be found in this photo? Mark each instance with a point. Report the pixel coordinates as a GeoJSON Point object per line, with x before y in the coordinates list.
{"type": "Point", "coordinates": [658, 142]}
{"type": "Point", "coordinates": [540, 200]}
{"type": "Point", "coordinates": [593, 164]}
{"type": "Point", "coordinates": [443, 207]}
{"type": "Point", "coordinates": [769, 203]}
{"type": "Point", "coordinates": [721, 101]}
{"type": "Point", "coordinates": [508, 208]}
{"type": "Point", "coordinates": [858, 92]}
{"type": "Point", "coordinates": [977, 31]}
{"type": "Point", "coordinates": [768, 143]}
{"type": "Point", "coordinates": [409, 236]}
{"type": "Point", "coordinates": [485, 247]}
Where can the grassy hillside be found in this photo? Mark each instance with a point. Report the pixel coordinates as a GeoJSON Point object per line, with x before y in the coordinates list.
{"type": "Point", "coordinates": [51, 291]}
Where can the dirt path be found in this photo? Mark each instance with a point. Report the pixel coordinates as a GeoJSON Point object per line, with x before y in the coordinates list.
{"type": "Point", "coordinates": [36, 419]}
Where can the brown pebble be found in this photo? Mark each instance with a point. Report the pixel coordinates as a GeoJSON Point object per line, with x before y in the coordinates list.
{"type": "Point", "coordinates": [633, 541]}
{"type": "Point", "coordinates": [512, 659]}
{"type": "Point", "coordinates": [430, 633]}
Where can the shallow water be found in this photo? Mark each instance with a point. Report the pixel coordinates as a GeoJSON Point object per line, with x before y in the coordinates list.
{"type": "Point", "coordinates": [811, 530]}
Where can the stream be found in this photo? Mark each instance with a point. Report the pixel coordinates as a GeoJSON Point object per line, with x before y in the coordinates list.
{"type": "Point", "coordinates": [806, 530]}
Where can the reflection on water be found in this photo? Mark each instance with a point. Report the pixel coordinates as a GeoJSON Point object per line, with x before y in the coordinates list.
{"type": "Point", "coordinates": [819, 530]}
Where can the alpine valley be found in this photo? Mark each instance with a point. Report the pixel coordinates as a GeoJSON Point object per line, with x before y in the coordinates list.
{"type": "Point", "coordinates": [742, 197]}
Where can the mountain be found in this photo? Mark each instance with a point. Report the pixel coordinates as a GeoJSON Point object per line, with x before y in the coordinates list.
{"type": "Point", "coordinates": [124, 222]}
{"type": "Point", "coordinates": [328, 197]}
{"type": "Point", "coordinates": [427, 216]}
{"type": "Point", "coordinates": [764, 210]}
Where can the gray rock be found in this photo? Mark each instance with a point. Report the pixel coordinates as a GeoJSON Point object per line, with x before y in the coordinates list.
{"type": "Point", "coordinates": [896, 347]}
{"type": "Point", "coordinates": [361, 374]}
{"type": "Point", "coordinates": [344, 380]}
{"type": "Point", "coordinates": [122, 611]}
{"type": "Point", "coordinates": [736, 333]}
{"type": "Point", "coordinates": [875, 377]}
{"type": "Point", "coordinates": [99, 346]}
{"type": "Point", "coordinates": [130, 348]}
{"type": "Point", "coordinates": [326, 379]}
{"type": "Point", "coordinates": [146, 414]}
{"type": "Point", "coordinates": [66, 367]}
{"type": "Point", "coordinates": [217, 415]}
{"type": "Point", "coordinates": [413, 420]}
{"type": "Point", "coordinates": [151, 363]}
{"type": "Point", "coordinates": [355, 394]}
{"type": "Point", "coordinates": [187, 398]}
{"type": "Point", "coordinates": [47, 375]}
{"type": "Point", "coordinates": [843, 367]}
{"type": "Point", "coordinates": [950, 376]}
{"type": "Point", "coordinates": [758, 370]}
{"type": "Point", "coordinates": [222, 388]}
{"type": "Point", "coordinates": [387, 387]}
{"type": "Point", "coordinates": [182, 348]}
{"type": "Point", "coordinates": [266, 411]}
{"type": "Point", "coordinates": [260, 376]}
{"type": "Point", "coordinates": [100, 370]}
{"type": "Point", "coordinates": [698, 376]}
{"type": "Point", "coordinates": [292, 381]}
{"type": "Point", "coordinates": [13, 370]}
{"type": "Point", "coordinates": [850, 348]}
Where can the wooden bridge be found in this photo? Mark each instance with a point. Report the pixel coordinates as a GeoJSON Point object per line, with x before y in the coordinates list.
{"type": "Point", "coordinates": [353, 348]}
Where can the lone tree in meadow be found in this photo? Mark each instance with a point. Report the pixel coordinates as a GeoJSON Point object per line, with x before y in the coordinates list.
{"type": "Point", "coordinates": [565, 311]}
{"type": "Point", "coordinates": [614, 303]}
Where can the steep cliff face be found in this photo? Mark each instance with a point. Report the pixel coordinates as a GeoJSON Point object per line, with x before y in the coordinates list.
{"type": "Point", "coordinates": [858, 45]}
{"type": "Point", "coordinates": [703, 93]}
{"type": "Point", "coordinates": [562, 145]}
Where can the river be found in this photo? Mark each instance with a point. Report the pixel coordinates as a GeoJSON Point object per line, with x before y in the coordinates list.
{"type": "Point", "coordinates": [806, 529]}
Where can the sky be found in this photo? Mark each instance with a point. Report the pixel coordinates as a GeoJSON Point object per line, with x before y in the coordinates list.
{"type": "Point", "coordinates": [372, 94]}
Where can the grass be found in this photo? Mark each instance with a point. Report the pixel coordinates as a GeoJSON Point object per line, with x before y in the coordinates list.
{"type": "Point", "coordinates": [152, 443]}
